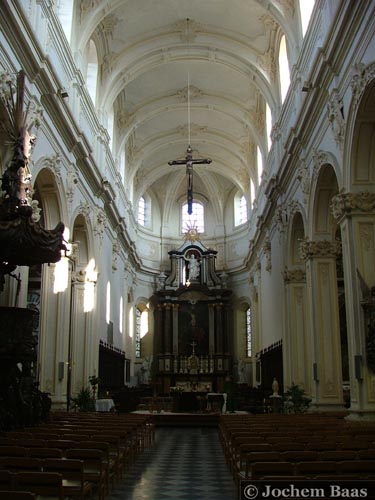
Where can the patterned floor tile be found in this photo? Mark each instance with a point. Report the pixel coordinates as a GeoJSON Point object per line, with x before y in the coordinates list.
{"type": "Point", "coordinates": [184, 464]}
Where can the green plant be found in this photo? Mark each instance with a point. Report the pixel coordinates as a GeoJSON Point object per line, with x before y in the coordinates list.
{"type": "Point", "coordinates": [84, 401]}
{"type": "Point", "coordinates": [94, 380]}
{"type": "Point", "coordinates": [295, 400]}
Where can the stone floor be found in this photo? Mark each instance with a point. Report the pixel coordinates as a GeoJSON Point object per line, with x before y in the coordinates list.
{"type": "Point", "coordinates": [184, 463]}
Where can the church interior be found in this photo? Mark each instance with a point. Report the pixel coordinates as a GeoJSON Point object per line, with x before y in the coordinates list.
{"type": "Point", "coordinates": [187, 211]}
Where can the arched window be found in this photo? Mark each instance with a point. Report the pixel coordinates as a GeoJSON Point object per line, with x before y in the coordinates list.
{"type": "Point", "coordinates": [268, 126]}
{"type": "Point", "coordinates": [196, 219]}
{"type": "Point", "coordinates": [248, 332]}
{"type": "Point", "coordinates": [144, 210]}
{"type": "Point", "coordinates": [92, 70]}
{"type": "Point", "coordinates": [138, 316]}
{"type": "Point", "coordinates": [240, 209]}
{"type": "Point", "coordinates": [141, 211]}
{"type": "Point", "coordinates": [259, 164]}
{"type": "Point", "coordinates": [306, 7]}
{"type": "Point", "coordinates": [65, 15]}
{"type": "Point", "coordinates": [284, 74]}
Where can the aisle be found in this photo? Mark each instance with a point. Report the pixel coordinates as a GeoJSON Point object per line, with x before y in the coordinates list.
{"type": "Point", "coordinates": [184, 463]}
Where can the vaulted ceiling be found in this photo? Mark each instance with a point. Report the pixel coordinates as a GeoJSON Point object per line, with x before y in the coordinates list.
{"type": "Point", "coordinates": [150, 52]}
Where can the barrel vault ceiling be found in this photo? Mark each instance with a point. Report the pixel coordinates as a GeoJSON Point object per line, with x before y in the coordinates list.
{"type": "Point", "coordinates": [150, 52]}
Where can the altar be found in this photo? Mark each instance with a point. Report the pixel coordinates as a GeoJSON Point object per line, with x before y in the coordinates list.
{"type": "Point", "coordinates": [193, 342]}
{"type": "Point", "coordinates": [202, 402]}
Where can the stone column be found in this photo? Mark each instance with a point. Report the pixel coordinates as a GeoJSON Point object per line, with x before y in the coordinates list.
{"type": "Point", "coordinates": [211, 327]}
{"type": "Point", "coordinates": [219, 328]}
{"type": "Point", "coordinates": [325, 343]}
{"type": "Point", "coordinates": [167, 329]}
{"type": "Point", "coordinates": [158, 341]}
{"type": "Point", "coordinates": [296, 347]}
{"type": "Point", "coordinates": [355, 212]}
{"type": "Point", "coordinates": [175, 328]}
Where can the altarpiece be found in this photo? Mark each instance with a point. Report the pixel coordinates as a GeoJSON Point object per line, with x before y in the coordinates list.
{"type": "Point", "coordinates": [193, 337]}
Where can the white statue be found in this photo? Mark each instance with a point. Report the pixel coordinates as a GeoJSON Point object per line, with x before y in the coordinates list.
{"type": "Point", "coordinates": [193, 267]}
{"type": "Point", "coordinates": [275, 387]}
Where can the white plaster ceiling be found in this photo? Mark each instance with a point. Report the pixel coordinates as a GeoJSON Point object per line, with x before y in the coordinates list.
{"type": "Point", "coordinates": [147, 49]}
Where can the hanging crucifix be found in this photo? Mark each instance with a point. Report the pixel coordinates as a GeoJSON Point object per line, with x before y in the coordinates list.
{"type": "Point", "coordinates": [189, 161]}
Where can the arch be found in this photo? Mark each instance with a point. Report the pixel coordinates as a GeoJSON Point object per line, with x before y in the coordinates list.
{"type": "Point", "coordinates": [92, 69]}
{"type": "Point", "coordinates": [361, 165]}
{"type": "Point", "coordinates": [52, 334]}
{"type": "Point", "coordinates": [324, 225]}
{"type": "Point", "coordinates": [297, 233]}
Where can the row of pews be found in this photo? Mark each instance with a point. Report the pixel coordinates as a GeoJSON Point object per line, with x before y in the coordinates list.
{"type": "Point", "coordinates": [304, 446]}
{"type": "Point", "coordinates": [74, 455]}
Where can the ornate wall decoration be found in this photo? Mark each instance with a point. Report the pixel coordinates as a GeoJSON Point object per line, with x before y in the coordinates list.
{"type": "Point", "coordinates": [71, 182]}
{"type": "Point", "coordinates": [280, 219]}
{"type": "Point", "coordinates": [319, 249]}
{"type": "Point", "coordinates": [88, 5]}
{"type": "Point", "coordinates": [53, 162]}
{"type": "Point", "coordinates": [362, 75]}
{"type": "Point", "coordinates": [188, 31]}
{"type": "Point", "coordinates": [100, 223]}
{"type": "Point", "coordinates": [194, 129]}
{"type": "Point", "coordinates": [304, 178]}
{"type": "Point", "coordinates": [336, 118]}
{"type": "Point", "coordinates": [294, 275]}
{"type": "Point", "coordinates": [116, 249]}
{"type": "Point", "coordinates": [123, 118]}
{"type": "Point", "coordinates": [320, 158]}
{"type": "Point", "coordinates": [346, 203]}
{"type": "Point", "coordinates": [194, 93]}
{"type": "Point", "coordinates": [267, 253]}
{"type": "Point", "coordinates": [108, 24]}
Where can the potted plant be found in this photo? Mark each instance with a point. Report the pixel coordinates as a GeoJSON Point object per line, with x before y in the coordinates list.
{"type": "Point", "coordinates": [295, 400]}
{"type": "Point", "coordinates": [84, 401]}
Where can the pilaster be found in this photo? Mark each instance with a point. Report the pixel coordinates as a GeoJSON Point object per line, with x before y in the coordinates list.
{"type": "Point", "coordinates": [320, 257]}
{"type": "Point", "coordinates": [355, 212]}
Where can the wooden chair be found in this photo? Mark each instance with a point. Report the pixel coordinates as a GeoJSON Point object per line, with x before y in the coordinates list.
{"type": "Point", "coordinates": [116, 452]}
{"type": "Point", "coordinates": [299, 456]}
{"type": "Point", "coordinates": [264, 469]}
{"type": "Point", "coordinates": [338, 455]}
{"type": "Point", "coordinates": [110, 462]}
{"type": "Point", "coordinates": [45, 453]}
{"type": "Point", "coordinates": [312, 469]}
{"type": "Point", "coordinates": [17, 464]}
{"type": "Point", "coordinates": [72, 471]}
{"type": "Point", "coordinates": [6, 480]}
{"type": "Point", "coordinates": [62, 444]}
{"type": "Point", "coordinates": [364, 469]}
{"type": "Point", "coordinates": [246, 462]}
{"type": "Point", "coordinates": [95, 470]}
{"type": "Point", "coordinates": [17, 495]}
{"type": "Point", "coordinates": [13, 451]}
{"type": "Point", "coordinates": [47, 484]}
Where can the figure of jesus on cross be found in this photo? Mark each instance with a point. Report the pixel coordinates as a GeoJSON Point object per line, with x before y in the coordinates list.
{"type": "Point", "coordinates": [189, 161]}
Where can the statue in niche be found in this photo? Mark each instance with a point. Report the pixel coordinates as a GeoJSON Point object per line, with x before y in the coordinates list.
{"type": "Point", "coordinates": [193, 266]}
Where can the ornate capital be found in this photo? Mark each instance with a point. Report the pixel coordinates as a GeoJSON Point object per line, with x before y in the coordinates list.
{"type": "Point", "coordinates": [362, 75]}
{"type": "Point", "coordinates": [315, 249]}
{"type": "Point", "coordinates": [294, 276]}
{"type": "Point", "coordinates": [345, 204]}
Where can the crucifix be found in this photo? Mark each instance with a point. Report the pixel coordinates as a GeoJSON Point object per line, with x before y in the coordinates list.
{"type": "Point", "coordinates": [193, 344]}
{"type": "Point", "coordinates": [189, 161]}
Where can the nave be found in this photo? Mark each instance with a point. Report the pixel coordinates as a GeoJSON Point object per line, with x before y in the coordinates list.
{"type": "Point", "coordinates": [184, 463]}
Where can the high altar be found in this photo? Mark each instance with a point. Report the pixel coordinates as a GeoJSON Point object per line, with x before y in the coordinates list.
{"type": "Point", "coordinates": [193, 340]}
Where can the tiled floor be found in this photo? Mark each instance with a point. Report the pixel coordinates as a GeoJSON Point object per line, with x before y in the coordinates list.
{"type": "Point", "coordinates": [184, 463]}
